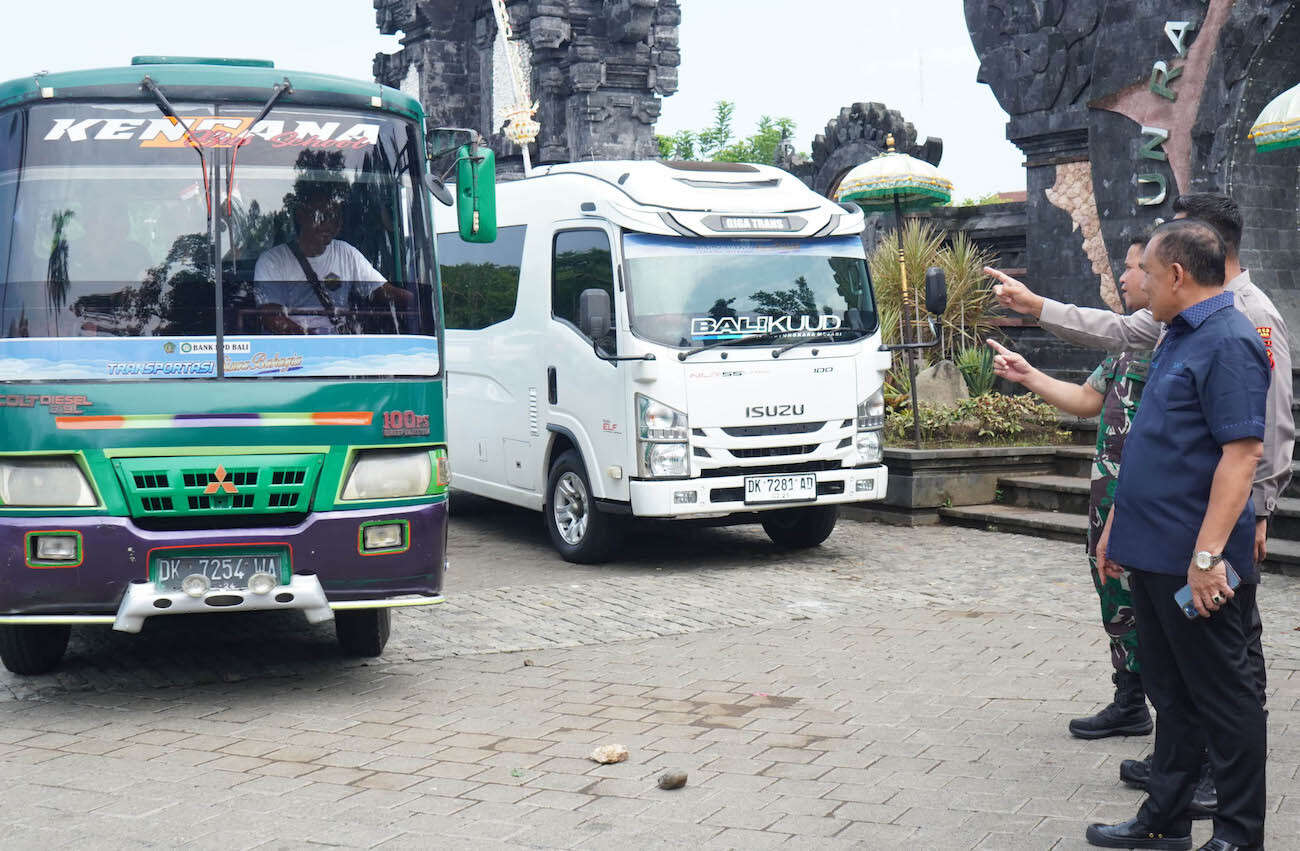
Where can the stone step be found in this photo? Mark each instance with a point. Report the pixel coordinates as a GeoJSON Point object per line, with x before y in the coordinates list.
{"type": "Point", "coordinates": [1023, 521]}
{"type": "Point", "coordinates": [1068, 494]}
{"type": "Point", "coordinates": [1283, 555]}
{"type": "Point", "coordinates": [1075, 460]}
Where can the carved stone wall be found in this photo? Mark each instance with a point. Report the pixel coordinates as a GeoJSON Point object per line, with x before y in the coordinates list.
{"type": "Point", "coordinates": [598, 69]}
{"type": "Point", "coordinates": [1154, 98]}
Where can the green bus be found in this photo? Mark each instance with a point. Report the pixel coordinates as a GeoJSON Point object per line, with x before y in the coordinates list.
{"type": "Point", "coordinates": [220, 351]}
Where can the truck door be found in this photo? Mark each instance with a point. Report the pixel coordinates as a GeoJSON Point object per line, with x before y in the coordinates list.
{"type": "Point", "coordinates": [585, 395]}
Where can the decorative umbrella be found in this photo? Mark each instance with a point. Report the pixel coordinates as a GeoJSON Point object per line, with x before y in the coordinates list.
{"type": "Point", "coordinates": [1278, 126]}
{"type": "Point", "coordinates": [902, 183]}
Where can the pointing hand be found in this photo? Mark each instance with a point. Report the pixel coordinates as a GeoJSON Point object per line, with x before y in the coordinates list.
{"type": "Point", "coordinates": [1008, 364]}
{"type": "Point", "coordinates": [1014, 295]}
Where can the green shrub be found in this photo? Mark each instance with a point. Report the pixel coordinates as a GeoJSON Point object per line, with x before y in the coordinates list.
{"type": "Point", "coordinates": [976, 366]}
{"type": "Point", "coordinates": [987, 420]}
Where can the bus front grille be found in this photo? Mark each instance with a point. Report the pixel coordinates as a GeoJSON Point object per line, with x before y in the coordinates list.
{"type": "Point", "coordinates": [216, 486]}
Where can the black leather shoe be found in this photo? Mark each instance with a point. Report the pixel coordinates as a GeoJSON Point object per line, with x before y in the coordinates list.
{"type": "Point", "coordinates": [1136, 772]}
{"type": "Point", "coordinates": [1205, 801]}
{"type": "Point", "coordinates": [1127, 715]}
{"type": "Point", "coordinates": [1135, 834]}
{"type": "Point", "coordinates": [1217, 844]}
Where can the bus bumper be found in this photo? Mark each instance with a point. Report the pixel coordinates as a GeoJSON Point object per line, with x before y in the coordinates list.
{"type": "Point", "coordinates": [717, 496]}
{"type": "Point", "coordinates": [111, 582]}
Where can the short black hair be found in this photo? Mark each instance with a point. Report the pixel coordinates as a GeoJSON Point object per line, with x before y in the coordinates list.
{"type": "Point", "coordinates": [1194, 245]}
{"type": "Point", "coordinates": [1218, 211]}
{"type": "Point", "coordinates": [1137, 236]}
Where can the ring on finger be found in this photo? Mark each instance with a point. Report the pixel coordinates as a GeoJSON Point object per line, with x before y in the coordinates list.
{"type": "Point", "coordinates": [1217, 599]}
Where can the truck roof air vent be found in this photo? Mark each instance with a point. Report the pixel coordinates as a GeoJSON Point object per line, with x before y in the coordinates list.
{"type": "Point", "coordinates": [690, 165]}
{"type": "Point", "coordinates": [202, 60]}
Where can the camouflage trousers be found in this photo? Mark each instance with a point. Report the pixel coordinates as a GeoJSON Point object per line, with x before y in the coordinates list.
{"type": "Point", "coordinates": [1118, 618]}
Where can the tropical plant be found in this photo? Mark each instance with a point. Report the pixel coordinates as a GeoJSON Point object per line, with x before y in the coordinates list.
{"type": "Point", "coordinates": [985, 420]}
{"type": "Point", "coordinates": [965, 322]}
{"type": "Point", "coordinates": [718, 143]}
{"type": "Point", "coordinates": [976, 366]}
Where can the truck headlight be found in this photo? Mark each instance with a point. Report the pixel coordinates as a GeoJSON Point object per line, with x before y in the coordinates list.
{"type": "Point", "coordinates": [388, 474]}
{"type": "Point", "coordinates": [665, 460]}
{"type": "Point", "coordinates": [869, 447]}
{"type": "Point", "coordinates": [871, 412]}
{"type": "Point", "coordinates": [657, 421]}
{"type": "Point", "coordinates": [35, 481]}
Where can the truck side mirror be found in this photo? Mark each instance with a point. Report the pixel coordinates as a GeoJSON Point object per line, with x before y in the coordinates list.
{"type": "Point", "coordinates": [594, 314]}
{"type": "Point", "coordinates": [936, 291]}
{"type": "Point", "coordinates": [476, 193]}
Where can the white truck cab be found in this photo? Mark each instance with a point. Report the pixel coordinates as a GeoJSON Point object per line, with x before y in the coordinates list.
{"type": "Point", "coordinates": [670, 340]}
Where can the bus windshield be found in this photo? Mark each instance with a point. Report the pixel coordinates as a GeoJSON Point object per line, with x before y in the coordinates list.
{"type": "Point", "coordinates": [690, 292]}
{"type": "Point", "coordinates": [105, 242]}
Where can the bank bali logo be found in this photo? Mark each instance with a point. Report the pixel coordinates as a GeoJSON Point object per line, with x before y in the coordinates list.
{"type": "Point", "coordinates": [739, 327]}
{"type": "Point", "coordinates": [215, 132]}
{"type": "Point", "coordinates": [220, 482]}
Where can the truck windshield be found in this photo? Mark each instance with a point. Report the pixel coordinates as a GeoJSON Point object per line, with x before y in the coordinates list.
{"type": "Point", "coordinates": [692, 292]}
{"type": "Point", "coordinates": [104, 236]}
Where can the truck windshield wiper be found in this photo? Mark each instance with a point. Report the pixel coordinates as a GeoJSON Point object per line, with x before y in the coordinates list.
{"type": "Point", "coordinates": [766, 338]}
{"type": "Point", "coordinates": [821, 337]}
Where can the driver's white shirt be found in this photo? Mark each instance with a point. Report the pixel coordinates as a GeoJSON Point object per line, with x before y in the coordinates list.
{"type": "Point", "coordinates": [278, 279]}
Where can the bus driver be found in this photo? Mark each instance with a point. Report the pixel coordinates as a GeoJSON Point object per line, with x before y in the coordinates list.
{"type": "Point", "coordinates": [316, 284]}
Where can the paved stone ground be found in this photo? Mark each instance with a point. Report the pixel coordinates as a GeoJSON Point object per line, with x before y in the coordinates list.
{"type": "Point", "coordinates": [895, 688]}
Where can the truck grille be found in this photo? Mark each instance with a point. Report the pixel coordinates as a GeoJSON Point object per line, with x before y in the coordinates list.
{"type": "Point", "coordinates": [772, 448]}
{"type": "Point", "coordinates": [217, 486]}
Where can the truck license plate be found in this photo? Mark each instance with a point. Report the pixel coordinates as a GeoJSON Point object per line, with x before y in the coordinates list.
{"type": "Point", "coordinates": [224, 572]}
{"type": "Point", "coordinates": [799, 488]}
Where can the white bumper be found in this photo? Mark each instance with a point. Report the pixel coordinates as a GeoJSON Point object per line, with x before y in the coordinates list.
{"type": "Point", "coordinates": [722, 495]}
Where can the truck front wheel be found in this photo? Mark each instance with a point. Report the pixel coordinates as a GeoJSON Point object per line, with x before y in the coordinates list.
{"type": "Point", "coordinates": [31, 650]}
{"type": "Point", "coordinates": [362, 632]}
{"type": "Point", "coordinates": [800, 528]}
{"type": "Point", "coordinates": [580, 532]}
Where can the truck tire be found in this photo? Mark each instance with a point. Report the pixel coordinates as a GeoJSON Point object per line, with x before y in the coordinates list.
{"type": "Point", "coordinates": [800, 528]}
{"type": "Point", "coordinates": [580, 532]}
{"type": "Point", "coordinates": [362, 632]}
{"type": "Point", "coordinates": [29, 650]}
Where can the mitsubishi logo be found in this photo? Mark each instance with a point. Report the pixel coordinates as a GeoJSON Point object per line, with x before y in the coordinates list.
{"type": "Point", "coordinates": [220, 482]}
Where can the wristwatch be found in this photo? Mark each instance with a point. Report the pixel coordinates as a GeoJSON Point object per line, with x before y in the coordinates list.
{"type": "Point", "coordinates": [1205, 560]}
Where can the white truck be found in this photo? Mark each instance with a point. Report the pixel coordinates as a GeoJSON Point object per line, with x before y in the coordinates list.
{"type": "Point", "coordinates": [667, 340]}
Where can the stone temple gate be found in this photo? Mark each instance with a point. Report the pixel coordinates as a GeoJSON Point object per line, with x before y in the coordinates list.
{"type": "Point", "coordinates": [598, 68]}
{"type": "Point", "coordinates": [1120, 105]}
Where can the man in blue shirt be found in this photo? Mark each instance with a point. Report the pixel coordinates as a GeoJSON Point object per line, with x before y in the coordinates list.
{"type": "Point", "coordinates": [1182, 514]}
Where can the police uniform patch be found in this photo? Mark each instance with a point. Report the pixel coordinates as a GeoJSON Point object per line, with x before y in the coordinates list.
{"type": "Point", "coordinates": [1266, 334]}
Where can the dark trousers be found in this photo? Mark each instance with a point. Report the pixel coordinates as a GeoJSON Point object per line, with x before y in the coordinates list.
{"type": "Point", "coordinates": [1204, 683]}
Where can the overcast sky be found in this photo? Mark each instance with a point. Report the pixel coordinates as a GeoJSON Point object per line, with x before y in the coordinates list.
{"type": "Point", "coordinates": [802, 59]}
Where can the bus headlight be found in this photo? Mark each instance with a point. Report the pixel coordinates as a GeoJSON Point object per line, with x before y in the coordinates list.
{"type": "Point", "coordinates": [665, 460]}
{"type": "Point", "coordinates": [35, 481]}
{"type": "Point", "coordinates": [388, 474]}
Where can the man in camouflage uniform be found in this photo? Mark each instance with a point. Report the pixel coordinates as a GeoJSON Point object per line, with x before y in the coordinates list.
{"type": "Point", "coordinates": [1113, 392]}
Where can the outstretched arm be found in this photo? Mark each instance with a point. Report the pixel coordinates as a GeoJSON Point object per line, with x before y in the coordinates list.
{"type": "Point", "coordinates": [1085, 326]}
{"type": "Point", "coordinates": [1078, 399]}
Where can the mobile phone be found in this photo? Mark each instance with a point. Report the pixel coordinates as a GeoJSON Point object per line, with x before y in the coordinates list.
{"type": "Point", "coordinates": [1183, 597]}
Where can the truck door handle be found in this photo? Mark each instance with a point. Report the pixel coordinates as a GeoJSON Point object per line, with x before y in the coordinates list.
{"type": "Point", "coordinates": [552, 391]}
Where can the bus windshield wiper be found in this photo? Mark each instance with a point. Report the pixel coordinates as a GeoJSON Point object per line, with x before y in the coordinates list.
{"type": "Point", "coordinates": [165, 107]}
{"type": "Point", "coordinates": [284, 87]}
{"type": "Point", "coordinates": [820, 337]}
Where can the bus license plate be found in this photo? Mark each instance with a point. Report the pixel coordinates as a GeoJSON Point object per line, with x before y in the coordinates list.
{"type": "Point", "coordinates": [800, 488]}
{"type": "Point", "coordinates": [224, 572]}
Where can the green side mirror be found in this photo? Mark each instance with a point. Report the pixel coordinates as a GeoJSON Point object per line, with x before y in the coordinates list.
{"type": "Point", "coordinates": [476, 193]}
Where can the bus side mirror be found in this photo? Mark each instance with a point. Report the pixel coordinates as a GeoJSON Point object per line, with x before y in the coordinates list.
{"type": "Point", "coordinates": [594, 314]}
{"type": "Point", "coordinates": [439, 190]}
{"type": "Point", "coordinates": [443, 140]}
{"type": "Point", "coordinates": [476, 193]}
{"type": "Point", "coordinates": [936, 291]}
